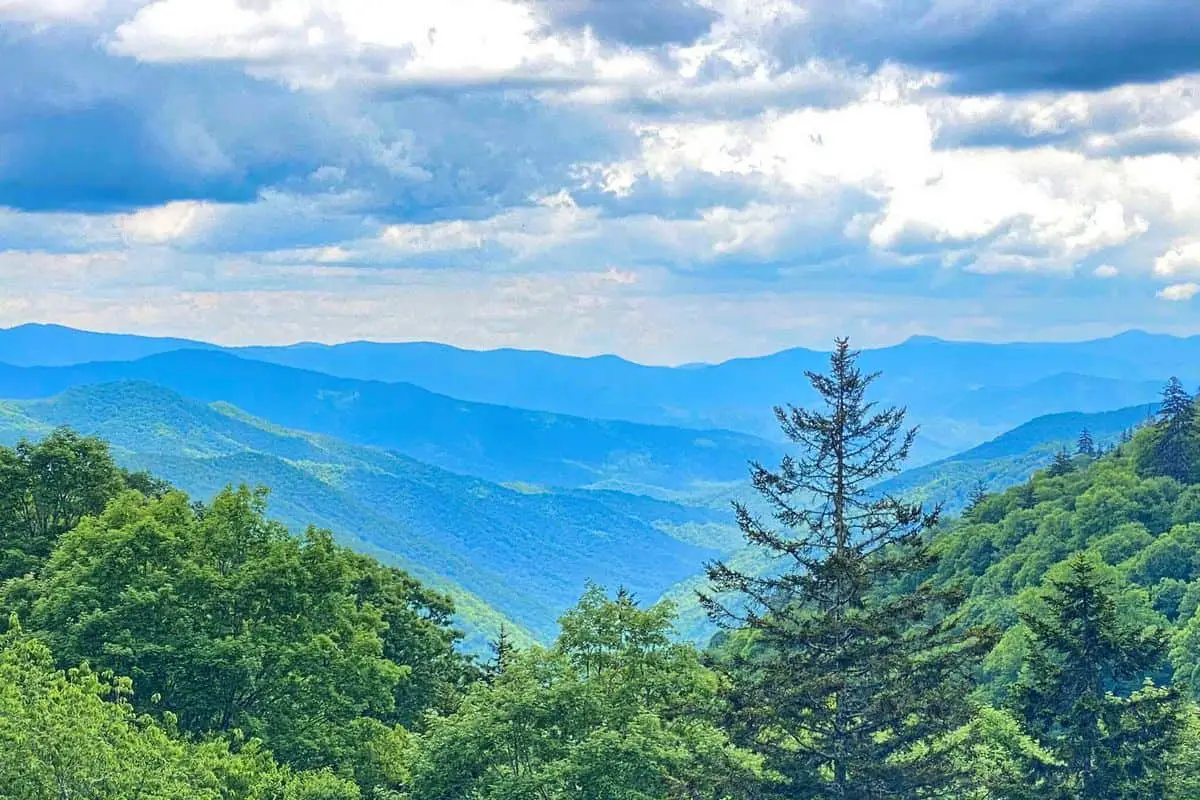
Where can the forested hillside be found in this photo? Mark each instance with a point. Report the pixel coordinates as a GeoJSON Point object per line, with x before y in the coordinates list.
{"type": "Point", "coordinates": [1011, 458]}
{"type": "Point", "coordinates": [522, 552]}
{"type": "Point", "coordinates": [1044, 644]}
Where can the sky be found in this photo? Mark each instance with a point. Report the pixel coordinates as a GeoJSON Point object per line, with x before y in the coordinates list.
{"type": "Point", "coordinates": [669, 180]}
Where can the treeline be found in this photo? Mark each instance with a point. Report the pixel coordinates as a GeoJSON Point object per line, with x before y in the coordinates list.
{"type": "Point", "coordinates": [1044, 645]}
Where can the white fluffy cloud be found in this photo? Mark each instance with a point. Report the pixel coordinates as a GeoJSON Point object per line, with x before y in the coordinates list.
{"type": "Point", "coordinates": [992, 209]}
{"type": "Point", "coordinates": [1179, 292]}
{"type": "Point", "coordinates": [321, 42]}
{"type": "Point", "coordinates": [1182, 259]}
{"type": "Point", "coordinates": [169, 223]}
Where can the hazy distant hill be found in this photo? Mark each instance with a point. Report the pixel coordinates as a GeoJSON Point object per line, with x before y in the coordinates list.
{"type": "Point", "coordinates": [1011, 458]}
{"type": "Point", "coordinates": [525, 554]}
{"type": "Point", "coordinates": [962, 393]}
{"type": "Point", "coordinates": [56, 345]}
{"type": "Point", "coordinates": [494, 442]}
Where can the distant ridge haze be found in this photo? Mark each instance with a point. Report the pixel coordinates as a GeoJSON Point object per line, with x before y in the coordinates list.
{"type": "Point", "coordinates": [37, 333]}
{"type": "Point", "coordinates": [962, 393]}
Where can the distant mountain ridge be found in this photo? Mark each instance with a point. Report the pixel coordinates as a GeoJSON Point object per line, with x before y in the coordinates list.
{"type": "Point", "coordinates": [962, 393]}
{"type": "Point", "coordinates": [497, 443]}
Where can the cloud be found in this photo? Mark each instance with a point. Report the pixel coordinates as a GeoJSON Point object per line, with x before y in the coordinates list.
{"type": "Point", "coordinates": [39, 271]}
{"type": "Point", "coordinates": [1132, 119]}
{"type": "Point", "coordinates": [532, 173]}
{"type": "Point", "coordinates": [985, 208]}
{"type": "Point", "coordinates": [86, 132]}
{"type": "Point", "coordinates": [1179, 292]}
{"type": "Point", "coordinates": [1019, 45]}
{"type": "Point", "coordinates": [633, 22]}
{"type": "Point", "coordinates": [319, 43]}
{"type": "Point", "coordinates": [50, 11]}
{"type": "Point", "coordinates": [168, 223]}
{"type": "Point", "coordinates": [1184, 258]}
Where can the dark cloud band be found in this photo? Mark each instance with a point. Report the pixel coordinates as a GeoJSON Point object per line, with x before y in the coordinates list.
{"type": "Point", "coordinates": [1016, 45]}
{"type": "Point", "coordinates": [638, 23]}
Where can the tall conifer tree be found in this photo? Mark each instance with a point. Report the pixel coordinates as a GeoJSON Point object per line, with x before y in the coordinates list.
{"type": "Point", "coordinates": [1086, 445]}
{"type": "Point", "coordinates": [835, 680]}
{"type": "Point", "coordinates": [1061, 464]}
{"type": "Point", "coordinates": [1175, 437]}
{"type": "Point", "coordinates": [977, 496]}
{"type": "Point", "coordinates": [1075, 692]}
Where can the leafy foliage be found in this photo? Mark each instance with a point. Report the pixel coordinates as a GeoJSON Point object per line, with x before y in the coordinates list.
{"type": "Point", "coordinates": [614, 711]}
{"type": "Point", "coordinates": [75, 734]}
{"type": "Point", "coordinates": [231, 623]}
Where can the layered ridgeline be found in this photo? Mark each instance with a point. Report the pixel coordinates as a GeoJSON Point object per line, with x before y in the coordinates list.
{"type": "Point", "coordinates": [496, 443]}
{"type": "Point", "coordinates": [524, 552]}
{"type": "Point", "coordinates": [962, 393]}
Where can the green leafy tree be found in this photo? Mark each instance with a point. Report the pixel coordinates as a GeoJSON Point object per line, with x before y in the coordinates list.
{"type": "Point", "coordinates": [236, 627]}
{"type": "Point", "coordinates": [1183, 762]}
{"type": "Point", "coordinates": [615, 711]}
{"type": "Point", "coordinates": [997, 759]}
{"type": "Point", "coordinates": [418, 635]}
{"type": "Point", "coordinates": [75, 734]}
{"type": "Point", "coordinates": [46, 488]}
{"type": "Point", "coordinates": [837, 678]}
{"type": "Point", "coordinates": [1075, 691]}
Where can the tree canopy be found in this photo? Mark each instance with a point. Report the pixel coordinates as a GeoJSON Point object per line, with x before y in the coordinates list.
{"type": "Point", "coordinates": [1045, 644]}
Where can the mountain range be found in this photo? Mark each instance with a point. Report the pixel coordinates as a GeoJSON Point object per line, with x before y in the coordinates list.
{"type": "Point", "coordinates": [962, 393]}
{"type": "Point", "coordinates": [499, 443]}
{"type": "Point", "coordinates": [509, 478]}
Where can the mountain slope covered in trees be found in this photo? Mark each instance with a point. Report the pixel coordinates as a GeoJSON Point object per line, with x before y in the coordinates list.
{"type": "Point", "coordinates": [1011, 458]}
{"type": "Point", "coordinates": [524, 553]}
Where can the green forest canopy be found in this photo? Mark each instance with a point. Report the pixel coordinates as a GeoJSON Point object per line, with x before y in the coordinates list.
{"type": "Point", "coordinates": [159, 647]}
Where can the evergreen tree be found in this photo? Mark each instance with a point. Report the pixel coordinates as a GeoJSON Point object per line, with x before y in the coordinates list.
{"type": "Point", "coordinates": [837, 681]}
{"type": "Point", "coordinates": [977, 496]}
{"type": "Point", "coordinates": [1086, 446]}
{"type": "Point", "coordinates": [502, 653]}
{"type": "Point", "coordinates": [1074, 691]}
{"type": "Point", "coordinates": [1061, 465]}
{"type": "Point", "coordinates": [1173, 452]}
